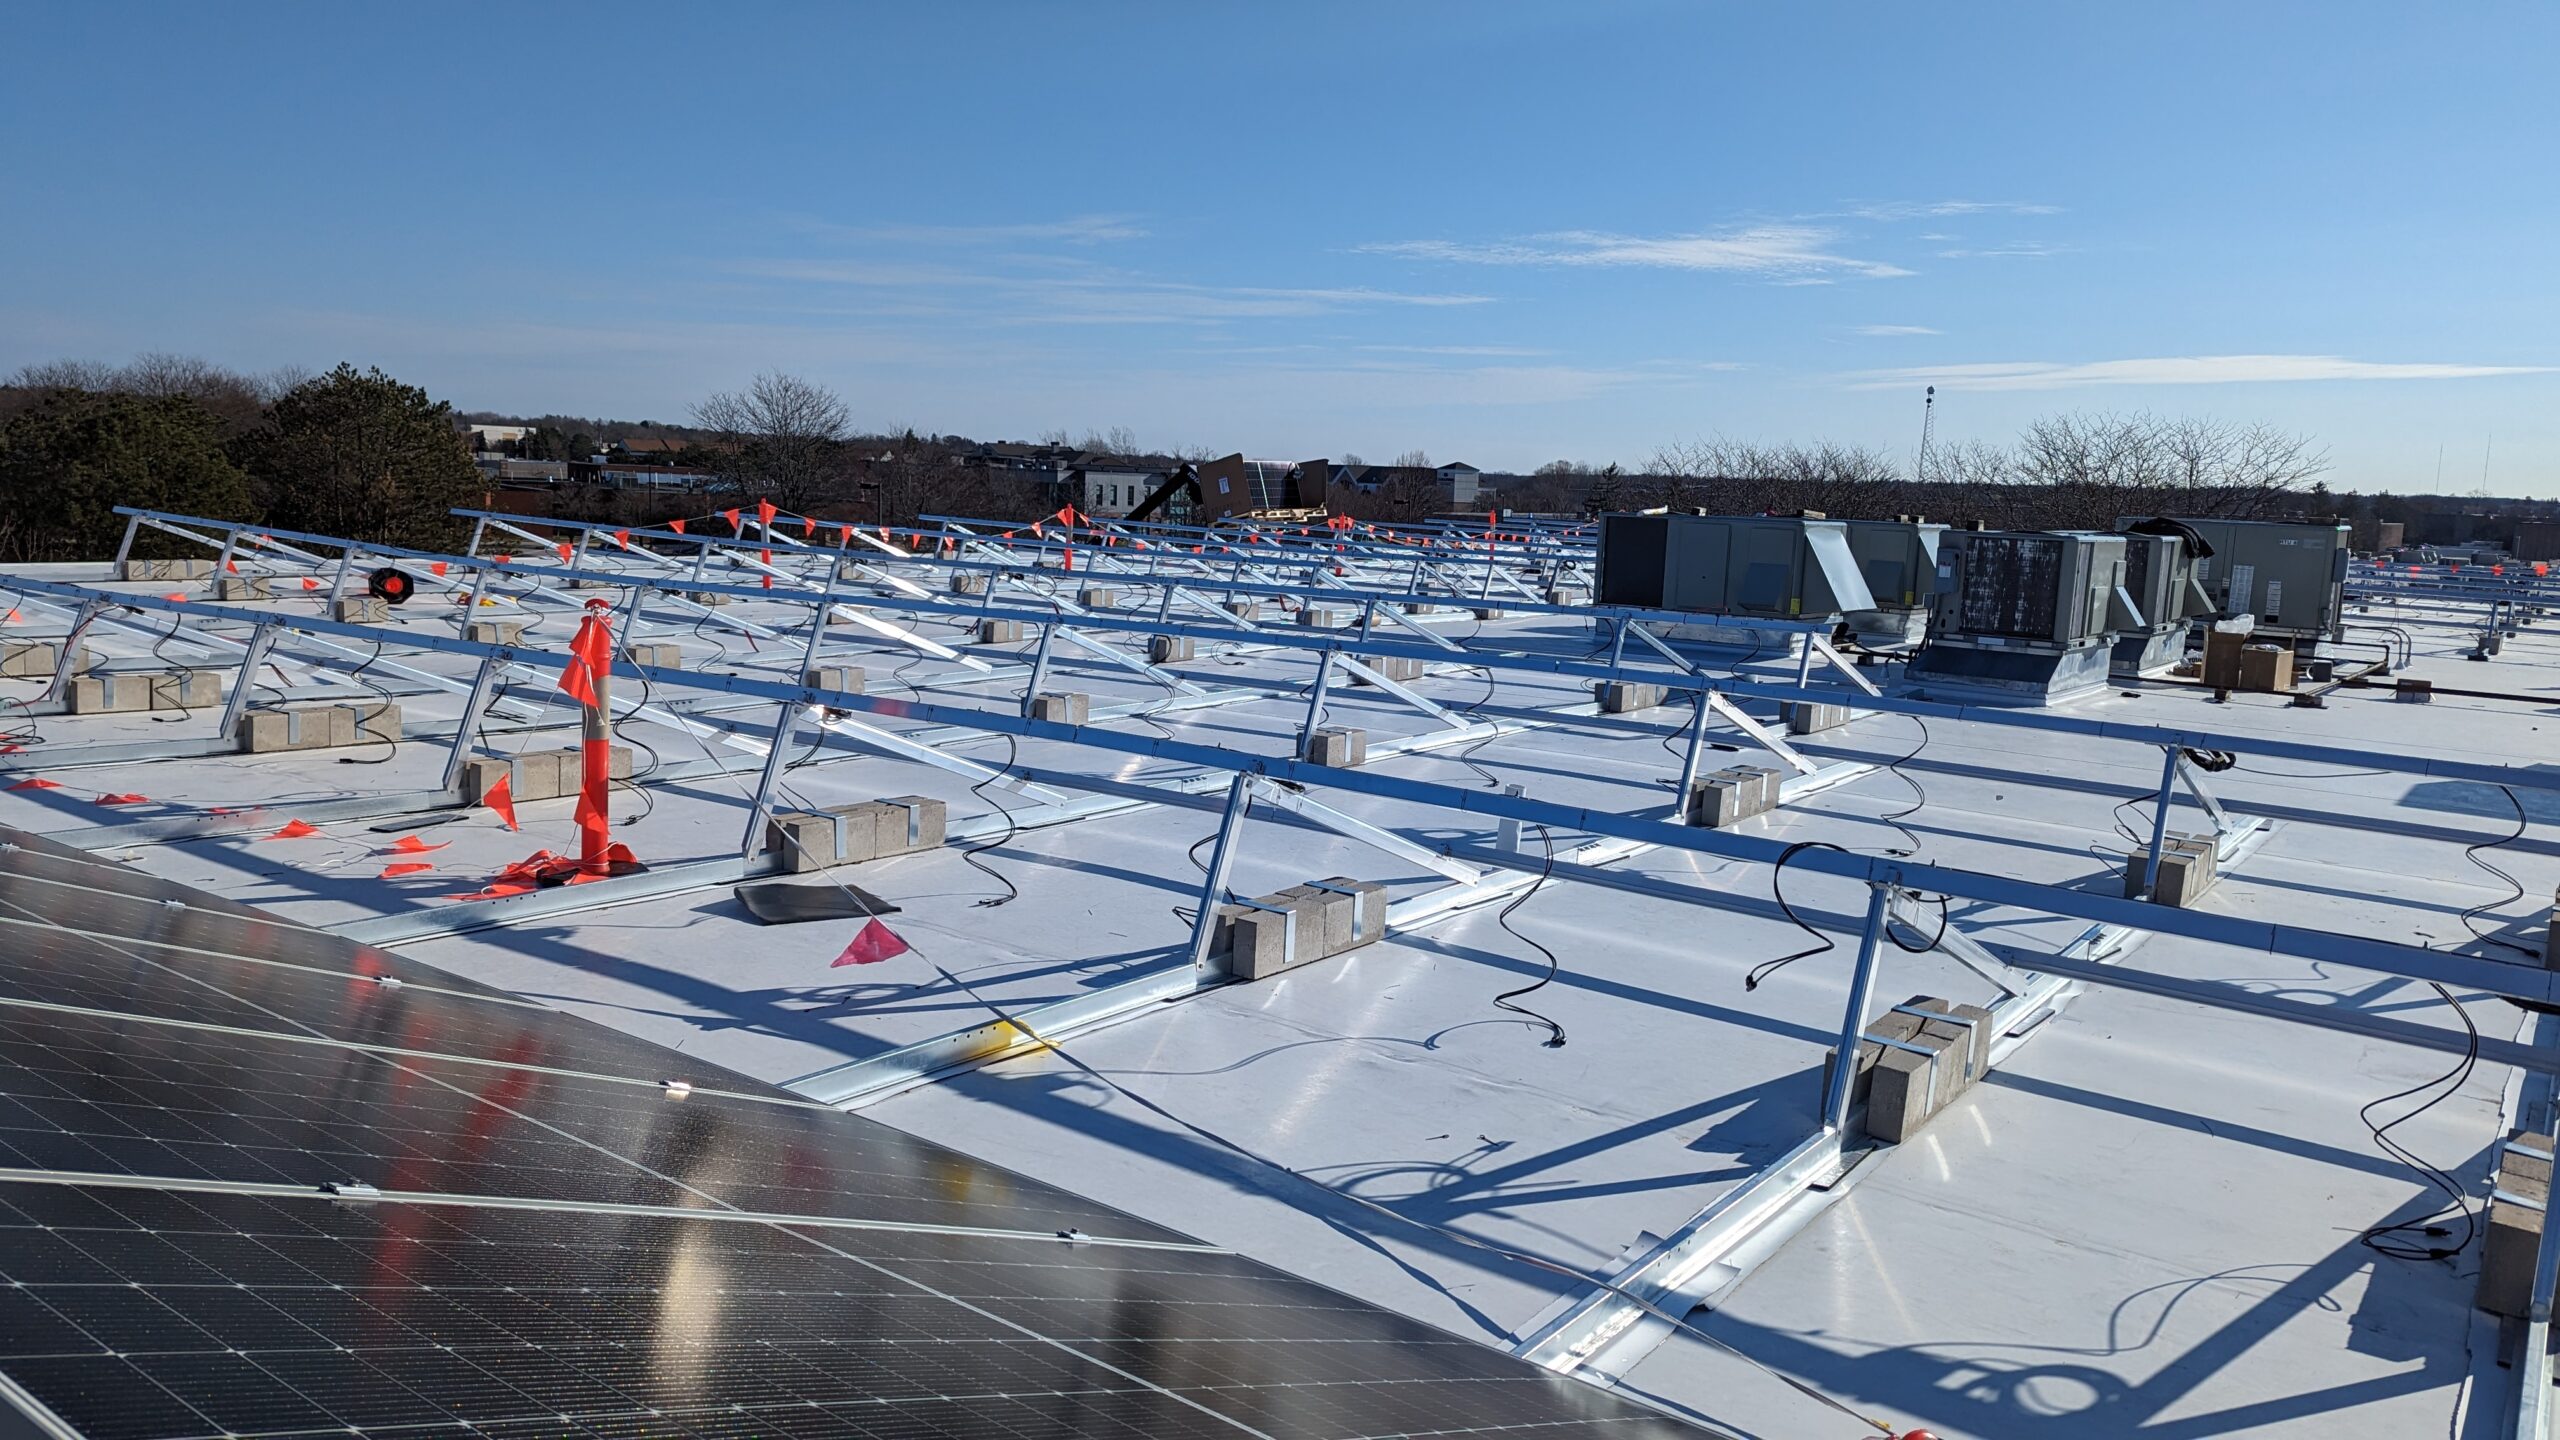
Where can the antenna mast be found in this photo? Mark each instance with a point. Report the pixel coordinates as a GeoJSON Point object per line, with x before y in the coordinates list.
{"type": "Point", "coordinates": [1928, 426]}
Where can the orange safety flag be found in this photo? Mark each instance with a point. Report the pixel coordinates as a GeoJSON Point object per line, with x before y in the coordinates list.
{"type": "Point", "coordinates": [590, 656]}
{"type": "Point", "coordinates": [123, 799]}
{"type": "Point", "coordinates": [11, 618]}
{"type": "Point", "coordinates": [231, 565]}
{"type": "Point", "coordinates": [412, 845]}
{"type": "Point", "coordinates": [622, 538]}
{"type": "Point", "coordinates": [876, 943]}
{"type": "Point", "coordinates": [736, 524]}
{"type": "Point", "coordinates": [37, 782]}
{"type": "Point", "coordinates": [2497, 569]}
{"type": "Point", "coordinates": [844, 534]}
{"type": "Point", "coordinates": [676, 525]}
{"type": "Point", "coordinates": [295, 830]}
{"type": "Point", "coordinates": [310, 584]}
{"type": "Point", "coordinates": [808, 527]}
{"type": "Point", "coordinates": [437, 568]}
{"type": "Point", "coordinates": [765, 513]}
{"type": "Point", "coordinates": [406, 867]}
{"type": "Point", "coordinates": [176, 597]}
{"type": "Point", "coordinates": [568, 553]}
{"type": "Point", "coordinates": [2540, 567]}
{"type": "Point", "coordinates": [1066, 514]}
{"type": "Point", "coordinates": [501, 800]}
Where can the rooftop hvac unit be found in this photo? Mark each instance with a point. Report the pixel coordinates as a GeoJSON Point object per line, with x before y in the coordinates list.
{"type": "Point", "coordinates": [1897, 559]}
{"type": "Point", "coordinates": [1755, 567]}
{"type": "Point", "coordinates": [2024, 616]}
{"type": "Point", "coordinates": [2160, 575]}
{"type": "Point", "coordinates": [2290, 576]}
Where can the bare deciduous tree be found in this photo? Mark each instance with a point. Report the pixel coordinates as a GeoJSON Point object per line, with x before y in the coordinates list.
{"type": "Point", "coordinates": [781, 438]}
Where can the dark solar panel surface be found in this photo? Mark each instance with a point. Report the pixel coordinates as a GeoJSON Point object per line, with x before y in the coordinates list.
{"type": "Point", "coordinates": [157, 1308]}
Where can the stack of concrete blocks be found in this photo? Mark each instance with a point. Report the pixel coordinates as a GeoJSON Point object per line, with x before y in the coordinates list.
{"type": "Point", "coordinates": [1062, 707]}
{"type": "Point", "coordinates": [1393, 667]}
{"type": "Point", "coordinates": [361, 610]}
{"type": "Point", "coordinates": [1621, 697]}
{"type": "Point", "coordinates": [1487, 612]}
{"type": "Point", "coordinates": [1913, 1065]}
{"type": "Point", "coordinates": [1421, 607]}
{"type": "Point", "coordinates": [538, 774]}
{"type": "Point", "coordinates": [1000, 632]}
{"type": "Point", "coordinates": [1098, 597]}
{"type": "Point", "coordinates": [663, 654]}
{"type": "Point", "coordinates": [319, 727]}
{"type": "Point", "coordinates": [1171, 649]}
{"type": "Point", "coordinates": [968, 584]}
{"type": "Point", "coordinates": [494, 632]}
{"type": "Point", "coordinates": [1298, 926]}
{"type": "Point", "coordinates": [1244, 609]}
{"type": "Point", "coordinates": [137, 690]}
{"type": "Point", "coordinates": [37, 659]}
{"type": "Point", "coordinates": [2189, 864]}
{"type": "Point", "coordinates": [707, 597]}
{"type": "Point", "coordinates": [1729, 797]}
{"type": "Point", "coordinates": [1318, 617]}
{"type": "Point", "coordinates": [1558, 595]}
{"type": "Point", "coordinates": [166, 570]}
{"type": "Point", "coordinates": [846, 679]}
{"type": "Point", "coordinates": [2514, 1225]}
{"type": "Point", "coordinates": [806, 840]}
{"type": "Point", "coordinates": [1339, 746]}
{"type": "Point", "coordinates": [244, 587]}
{"type": "Point", "coordinates": [1803, 717]}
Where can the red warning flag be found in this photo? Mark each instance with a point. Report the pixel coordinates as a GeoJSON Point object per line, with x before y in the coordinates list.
{"type": "Point", "coordinates": [876, 943]}
{"type": "Point", "coordinates": [412, 845]}
{"type": "Point", "coordinates": [568, 553]}
{"type": "Point", "coordinates": [501, 798]}
{"type": "Point", "coordinates": [12, 617]}
{"type": "Point", "coordinates": [622, 538]}
{"type": "Point", "coordinates": [127, 799]}
{"type": "Point", "coordinates": [1066, 514]}
{"type": "Point", "coordinates": [295, 830]}
{"type": "Point", "coordinates": [504, 559]}
{"type": "Point", "coordinates": [37, 782]}
{"type": "Point", "coordinates": [175, 597]}
{"type": "Point", "coordinates": [737, 524]}
{"type": "Point", "coordinates": [844, 536]}
{"type": "Point", "coordinates": [765, 512]}
{"type": "Point", "coordinates": [676, 525]}
{"type": "Point", "coordinates": [406, 867]}
{"type": "Point", "coordinates": [437, 568]}
{"type": "Point", "coordinates": [808, 527]}
{"type": "Point", "coordinates": [231, 565]}
{"type": "Point", "coordinates": [310, 584]}
{"type": "Point", "coordinates": [590, 655]}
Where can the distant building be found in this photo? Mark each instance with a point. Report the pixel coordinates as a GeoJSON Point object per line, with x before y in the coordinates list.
{"type": "Point", "coordinates": [508, 471]}
{"type": "Point", "coordinates": [1110, 487]}
{"type": "Point", "coordinates": [499, 437]}
{"type": "Point", "coordinates": [1459, 483]}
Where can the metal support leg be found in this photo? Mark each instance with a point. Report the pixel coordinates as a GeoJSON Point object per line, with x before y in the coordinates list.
{"type": "Point", "coordinates": [1804, 664]}
{"type": "Point", "coordinates": [253, 656]}
{"type": "Point", "coordinates": [124, 547]}
{"type": "Point", "coordinates": [1315, 701]}
{"type": "Point", "coordinates": [222, 562]}
{"type": "Point", "coordinates": [783, 724]}
{"type": "Point", "coordinates": [346, 567]}
{"type": "Point", "coordinates": [1039, 668]}
{"type": "Point", "coordinates": [1862, 985]}
{"type": "Point", "coordinates": [482, 685]}
{"type": "Point", "coordinates": [2160, 822]}
{"type": "Point", "coordinates": [479, 528]}
{"type": "Point", "coordinates": [1222, 856]}
{"type": "Point", "coordinates": [1697, 750]}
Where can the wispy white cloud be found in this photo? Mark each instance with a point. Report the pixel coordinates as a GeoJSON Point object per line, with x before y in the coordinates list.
{"type": "Point", "coordinates": [1512, 351]}
{"type": "Point", "coordinates": [2019, 251]}
{"type": "Point", "coordinates": [1093, 296]}
{"type": "Point", "coordinates": [1773, 250]}
{"type": "Point", "coordinates": [1074, 230]}
{"type": "Point", "coordinates": [1894, 330]}
{"type": "Point", "coordinates": [1929, 209]}
{"type": "Point", "coordinates": [2176, 370]}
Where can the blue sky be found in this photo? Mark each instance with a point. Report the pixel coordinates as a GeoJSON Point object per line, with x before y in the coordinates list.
{"type": "Point", "coordinates": [1504, 234]}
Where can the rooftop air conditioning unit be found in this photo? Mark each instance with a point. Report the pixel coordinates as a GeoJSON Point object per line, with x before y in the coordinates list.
{"type": "Point", "coordinates": [2024, 617]}
{"type": "Point", "coordinates": [1897, 558]}
{"type": "Point", "coordinates": [2289, 576]}
{"type": "Point", "coordinates": [1747, 567]}
{"type": "Point", "coordinates": [2160, 574]}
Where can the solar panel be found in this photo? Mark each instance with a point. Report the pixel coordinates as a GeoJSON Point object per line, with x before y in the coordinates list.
{"type": "Point", "coordinates": [549, 1254]}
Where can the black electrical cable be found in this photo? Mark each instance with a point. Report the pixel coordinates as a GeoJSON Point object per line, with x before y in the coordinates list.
{"type": "Point", "coordinates": [1555, 1032]}
{"type": "Point", "coordinates": [391, 743]}
{"type": "Point", "coordinates": [1012, 753]}
{"type": "Point", "coordinates": [1777, 889]}
{"type": "Point", "coordinates": [2391, 1239]}
{"type": "Point", "coordinates": [1919, 796]}
{"type": "Point", "coordinates": [2515, 888]}
{"type": "Point", "coordinates": [176, 672]}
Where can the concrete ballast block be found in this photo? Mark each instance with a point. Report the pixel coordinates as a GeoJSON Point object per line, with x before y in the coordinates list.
{"type": "Point", "coordinates": [166, 570]}
{"type": "Point", "coordinates": [1806, 718]}
{"type": "Point", "coordinates": [1171, 649]}
{"type": "Point", "coordinates": [662, 654]}
{"type": "Point", "coordinates": [361, 610]}
{"type": "Point", "coordinates": [1339, 746]}
{"type": "Point", "coordinates": [848, 679]}
{"type": "Point", "coordinates": [494, 632]}
{"type": "Point", "coordinates": [1098, 597]}
{"type": "Point", "coordinates": [1620, 697]}
{"type": "Point", "coordinates": [244, 587]}
{"type": "Point", "coordinates": [1318, 617]}
{"type": "Point", "coordinates": [1067, 708]}
{"type": "Point", "coordinates": [1394, 667]}
{"type": "Point", "coordinates": [999, 632]}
